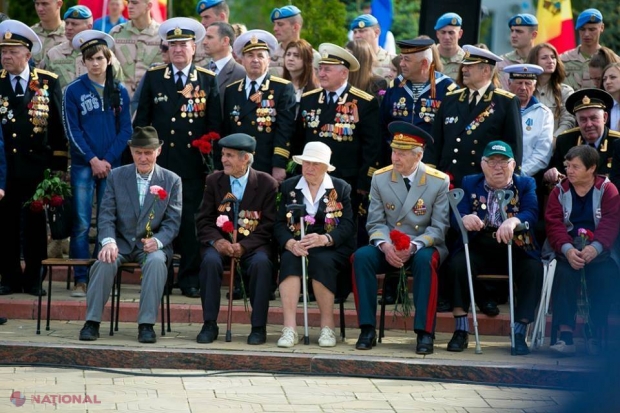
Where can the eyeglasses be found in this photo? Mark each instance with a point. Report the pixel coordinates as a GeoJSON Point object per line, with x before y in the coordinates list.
{"type": "Point", "coordinates": [501, 164]}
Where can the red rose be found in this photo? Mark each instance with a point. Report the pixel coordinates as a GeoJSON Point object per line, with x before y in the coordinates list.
{"type": "Point", "coordinates": [228, 227]}
{"type": "Point", "coordinates": [589, 235]}
{"type": "Point", "coordinates": [36, 206]}
{"type": "Point", "coordinates": [162, 194]}
{"type": "Point", "coordinates": [56, 201]}
{"type": "Point", "coordinates": [400, 240]}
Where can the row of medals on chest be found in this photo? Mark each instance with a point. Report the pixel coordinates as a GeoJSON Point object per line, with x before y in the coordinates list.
{"type": "Point", "coordinates": [427, 111]}
{"type": "Point", "coordinates": [265, 112]}
{"type": "Point", "coordinates": [38, 109]}
{"type": "Point", "coordinates": [341, 129]}
{"type": "Point", "coordinates": [195, 107]}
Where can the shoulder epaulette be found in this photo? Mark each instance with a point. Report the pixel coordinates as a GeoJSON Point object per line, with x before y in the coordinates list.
{"type": "Point", "coordinates": [311, 92]}
{"type": "Point", "coordinates": [45, 72]}
{"type": "Point", "coordinates": [503, 92]}
{"type": "Point", "coordinates": [454, 92]}
{"type": "Point", "coordinates": [278, 79]}
{"type": "Point", "coordinates": [203, 70]}
{"type": "Point", "coordinates": [571, 130]}
{"type": "Point", "coordinates": [234, 83]}
{"type": "Point", "coordinates": [434, 172]}
{"type": "Point", "coordinates": [452, 87]}
{"type": "Point", "coordinates": [158, 67]}
{"type": "Point", "coordinates": [613, 133]}
{"type": "Point", "coordinates": [360, 93]}
{"type": "Point", "coordinates": [383, 170]}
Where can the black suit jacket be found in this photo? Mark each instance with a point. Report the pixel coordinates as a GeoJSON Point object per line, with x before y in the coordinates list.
{"type": "Point", "coordinates": [180, 117]}
{"type": "Point", "coordinates": [259, 197]}
{"type": "Point", "coordinates": [609, 162]}
{"type": "Point", "coordinates": [245, 116]}
{"type": "Point", "coordinates": [355, 156]}
{"type": "Point", "coordinates": [231, 72]}
{"type": "Point", "coordinates": [460, 136]}
{"type": "Point", "coordinates": [30, 146]}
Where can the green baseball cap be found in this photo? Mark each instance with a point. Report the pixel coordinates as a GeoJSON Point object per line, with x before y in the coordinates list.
{"type": "Point", "coordinates": [498, 148]}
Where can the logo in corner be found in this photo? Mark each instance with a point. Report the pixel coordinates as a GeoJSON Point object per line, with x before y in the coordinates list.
{"type": "Point", "coordinates": [18, 399]}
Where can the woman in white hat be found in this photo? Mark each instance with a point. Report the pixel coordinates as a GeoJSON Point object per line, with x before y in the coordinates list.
{"type": "Point", "coordinates": [328, 243]}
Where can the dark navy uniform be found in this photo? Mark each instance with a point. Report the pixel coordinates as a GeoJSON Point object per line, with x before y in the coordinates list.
{"type": "Point", "coordinates": [572, 137]}
{"type": "Point", "coordinates": [268, 117]}
{"type": "Point", "coordinates": [350, 128]}
{"type": "Point", "coordinates": [461, 136]}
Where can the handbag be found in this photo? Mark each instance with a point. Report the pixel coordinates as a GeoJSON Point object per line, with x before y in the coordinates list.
{"type": "Point", "coordinates": [59, 220]}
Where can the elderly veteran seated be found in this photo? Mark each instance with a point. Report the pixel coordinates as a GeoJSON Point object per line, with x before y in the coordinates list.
{"type": "Point", "coordinates": [255, 192]}
{"type": "Point", "coordinates": [582, 224]}
{"type": "Point", "coordinates": [489, 235]}
{"type": "Point", "coordinates": [412, 198]}
{"type": "Point", "coordinates": [327, 245]}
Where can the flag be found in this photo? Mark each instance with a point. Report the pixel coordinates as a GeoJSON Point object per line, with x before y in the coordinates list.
{"type": "Point", "coordinates": [382, 10]}
{"type": "Point", "coordinates": [99, 8]}
{"type": "Point", "coordinates": [555, 24]}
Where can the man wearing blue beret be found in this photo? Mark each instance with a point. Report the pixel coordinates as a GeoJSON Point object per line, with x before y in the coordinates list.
{"type": "Point", "coordinates": [366, 27]}
{"type": "Point", "coordinates": [590, 27]}
{"type": "Point", "coordinates": [50, 28]}
{"type": "Point", "coordinates": [287, 23]}
{"type": "Point", "coordinates": [448, 31]}
{"type": "Point", "coordinates": [523, 32]}
{"type": "Point", "coordinates": [210, 11]}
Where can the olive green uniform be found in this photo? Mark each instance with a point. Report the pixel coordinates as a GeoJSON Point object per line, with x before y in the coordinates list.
{"type": "Point", "coordinates": [49, 39]}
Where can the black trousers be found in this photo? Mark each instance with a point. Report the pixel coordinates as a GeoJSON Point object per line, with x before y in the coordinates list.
{"type": "Point", "coordinates": [487, 256]}
{"type": "Point", "coordinates": [186, 242]}
{"type": "Point", "coordinates": [256, 267]}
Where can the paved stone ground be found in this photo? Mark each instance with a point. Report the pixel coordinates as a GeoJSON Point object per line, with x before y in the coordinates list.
{"type": "Point", "coordinates": [200, 391]}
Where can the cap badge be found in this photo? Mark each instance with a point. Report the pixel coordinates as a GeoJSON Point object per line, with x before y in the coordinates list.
{"type": "Point", "coordinates": [361, 25]}
{"type": "Point", "coordinates": [467, 55]}
{"type": "Point", "coordinates": [453, 21]}
{"type": "Point", "coordinates": [75, 13]}
{"type": "Point", "coordinates": [276, 14]}
{"type": "Point", "coordinates": [325, 55]}
{"type": "Point", "coordinates": [592, 18]}
{"type": "Point", "coordinates": [202, 6]}
{"type": "Point", "coordinates": [254, 40]}
{"type": "Point", "coordinates": [585, 100]}
{"type": "Point", "coordinates": [525, 69]}
{"type": "Point", "coordinates": [518, 20]}
{"type": "Point", "coordinates": [178, 31]}
{"type": "Point", "coordinates": [81, 40]}
{"type": "Point", "coordinates": [8, 35]}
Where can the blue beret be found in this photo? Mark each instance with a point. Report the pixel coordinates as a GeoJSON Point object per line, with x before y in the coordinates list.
{"type": "Point", "coordinates": [365, 20]}
{"type": "Point", "coordinates": [238, 141]}
{"type": "Point", "coordinates": [78, 12]}
{"type": "Point", "coordinates": [284, 12]}
{"type": "Point", "coordinates": [588, 16]}
{"type": "Point", "coordinates": [523, 20]}
{"type": "Point", "coordinates": [448, 19]}
{"type": "Point", "coordinates": [206, 4]}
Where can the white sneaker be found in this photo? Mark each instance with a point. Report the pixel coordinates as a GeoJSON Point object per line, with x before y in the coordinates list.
{"type": "Point", "coordinates": [562, 348]}
{"type": "Point", "coordinates": [289, 337]}
{"type": "Point", "coordinates": [327, 338]}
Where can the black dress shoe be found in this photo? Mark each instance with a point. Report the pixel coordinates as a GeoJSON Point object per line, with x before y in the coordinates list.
{"type": "Point", "coordinates": [209, 333]}
{"type": "Point", "coordinates": [425, 344]}
{"type": "Point", "coordinates": [367, 339]}
{"type": "Point", "coordinates": [37, 291]}
{"type": "Point", "coordinates": [5, 290]}
{"type": "Point", "coordinates": [459, 341]}
{"type": "Point", "coordinates": [521, 348]}
{"type": "Point", "coordinates": [146, 334]}
{"type": "Point", "coordinates": [191, 292]}
{"type": "Point", "coordinates": [90, 331]}
{"type": "Point", "coordinates": [257, 336]}
{"type": "Point", "coordinates": [389, 299]}
{"type": "Point", "coordinates": [3, 320]}
{"type": "Point", "coordinates": [489, 308]}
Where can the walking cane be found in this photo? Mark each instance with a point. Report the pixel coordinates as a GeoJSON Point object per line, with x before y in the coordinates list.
{"type": "Point", "coordinates": [233, 261]}
{"type": "Point", "coordinates": [302, 212]}
{"type": "Point", "coordinates": [503, 198]}
{"type": "Point", "coordinates": [455, 197]}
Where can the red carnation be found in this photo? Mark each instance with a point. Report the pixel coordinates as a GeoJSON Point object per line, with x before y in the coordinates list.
{"type": "Point", "coordinates": [228, 227]}
{"type": "Point", "coordinates": [590, 235]}
{"type": "Point", "coordinates": [56, 201]}
{"type": "Point", "coordinates": [400, 240]}
{"type": "Point", "coordinates": [36, 206]}
{"type": "Point", "coordinates": [204, 142]}
{"type": "Point", "coordinates": [162, 194]}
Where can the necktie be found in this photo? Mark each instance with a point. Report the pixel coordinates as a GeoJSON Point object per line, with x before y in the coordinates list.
{"type": "Point", "coordinates": [213, 66]}
{"type": "Point", "coordinates": [331, 97]}
{"type": "Point", "coordinates": [407, 183]}
{"type": "Point", "coordinates": [180, 80]}
{"type": "Point", "coordinates": [472, 104]}
{"type": "Point", "coordinates": [252, 88]}
{"type": "Point", "coordinates": [19, 90]}
{"type": "Point", "coordinates": [236, 189]}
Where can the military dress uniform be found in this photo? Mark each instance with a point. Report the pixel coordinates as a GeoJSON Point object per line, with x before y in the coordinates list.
{"type": "Point", "coordinates": [136, 50]}
{"type": "Point", "coordinates": [34, 141]}
{"type": "Point", "coordinates": [180, 117]}
{"type": "Point", "coordinates": [48, 39]}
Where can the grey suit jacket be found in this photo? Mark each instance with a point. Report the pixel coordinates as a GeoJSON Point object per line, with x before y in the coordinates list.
{"type": "Point", "coordinates": [422, 213]}
{"type": "Point", "coordinates": [231, 72]}
{"type": "Point", "coordinates": [122, 218]}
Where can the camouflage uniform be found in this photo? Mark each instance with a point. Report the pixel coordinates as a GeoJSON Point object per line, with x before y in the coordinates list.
{"type": "Point", "coordinates": [276, 64]}
{"type": "Point", "coordinates": [382, 63]}
{"type": "Point", "coordinates": [48, 39]}
{"type": "Point", "coordinates": [136, 50]}
{"type": "Point", "coordinates": [451, 64]}
{"type": "Point", "coordinates": [67, 63]}
{"type": "Point", "coordinates": [201, 58]}
{"type": "Point", "coordinates": [511, 58]}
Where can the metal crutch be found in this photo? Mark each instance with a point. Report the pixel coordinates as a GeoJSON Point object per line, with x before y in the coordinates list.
{"type": "Point", "coordinates": [503, 198]}
{"type": "Point", "coordinates": [538, 335]}
{"type": "Point", "coordinates": [233, 261]}
{"type": "Point", "coordinates": [454, 197]}
{"type": "Point", "coordinates": [302, 212]}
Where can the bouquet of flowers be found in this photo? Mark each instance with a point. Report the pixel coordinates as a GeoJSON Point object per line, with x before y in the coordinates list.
{"type": "Point", "coordinates": [205, 146]}
{"type": "Point", "coordinates": [228, 227]}
{"type": "Point", "coordinates": [401, 242]}
{"type": "Point", "coordinates": [53, 196]}
{"type": "Point", "coordinates": [161, 194]}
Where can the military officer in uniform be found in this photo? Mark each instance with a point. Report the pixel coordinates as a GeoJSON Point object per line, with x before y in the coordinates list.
{"type": "Point", "coordinates": [34, 141]}
{"type": "Point", "coordinates": [366, 26]}
{"type": "Point", "coordinates": [261, 105]}
{"type": "Point", "coordinates": [410, 197]}
{"type": "Point", "coordinates": [523, 32]}
{"type": "Point", "coordinates": [471, 117]}
{"type": "Point", "coordinates": [287, 22]}
{"type": "Point", "coordinates": [416, 94]}
{"type": "Point", "coordinates": [50, 29]}
{"type": "Point", "coordinates": [448, 31]}
{"type": "Point", "coordinates": [590, 107]}
{"type": "Point", "coordinates": [181, 101]}
{"type": "Point", "coordinates": [136, 43]}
